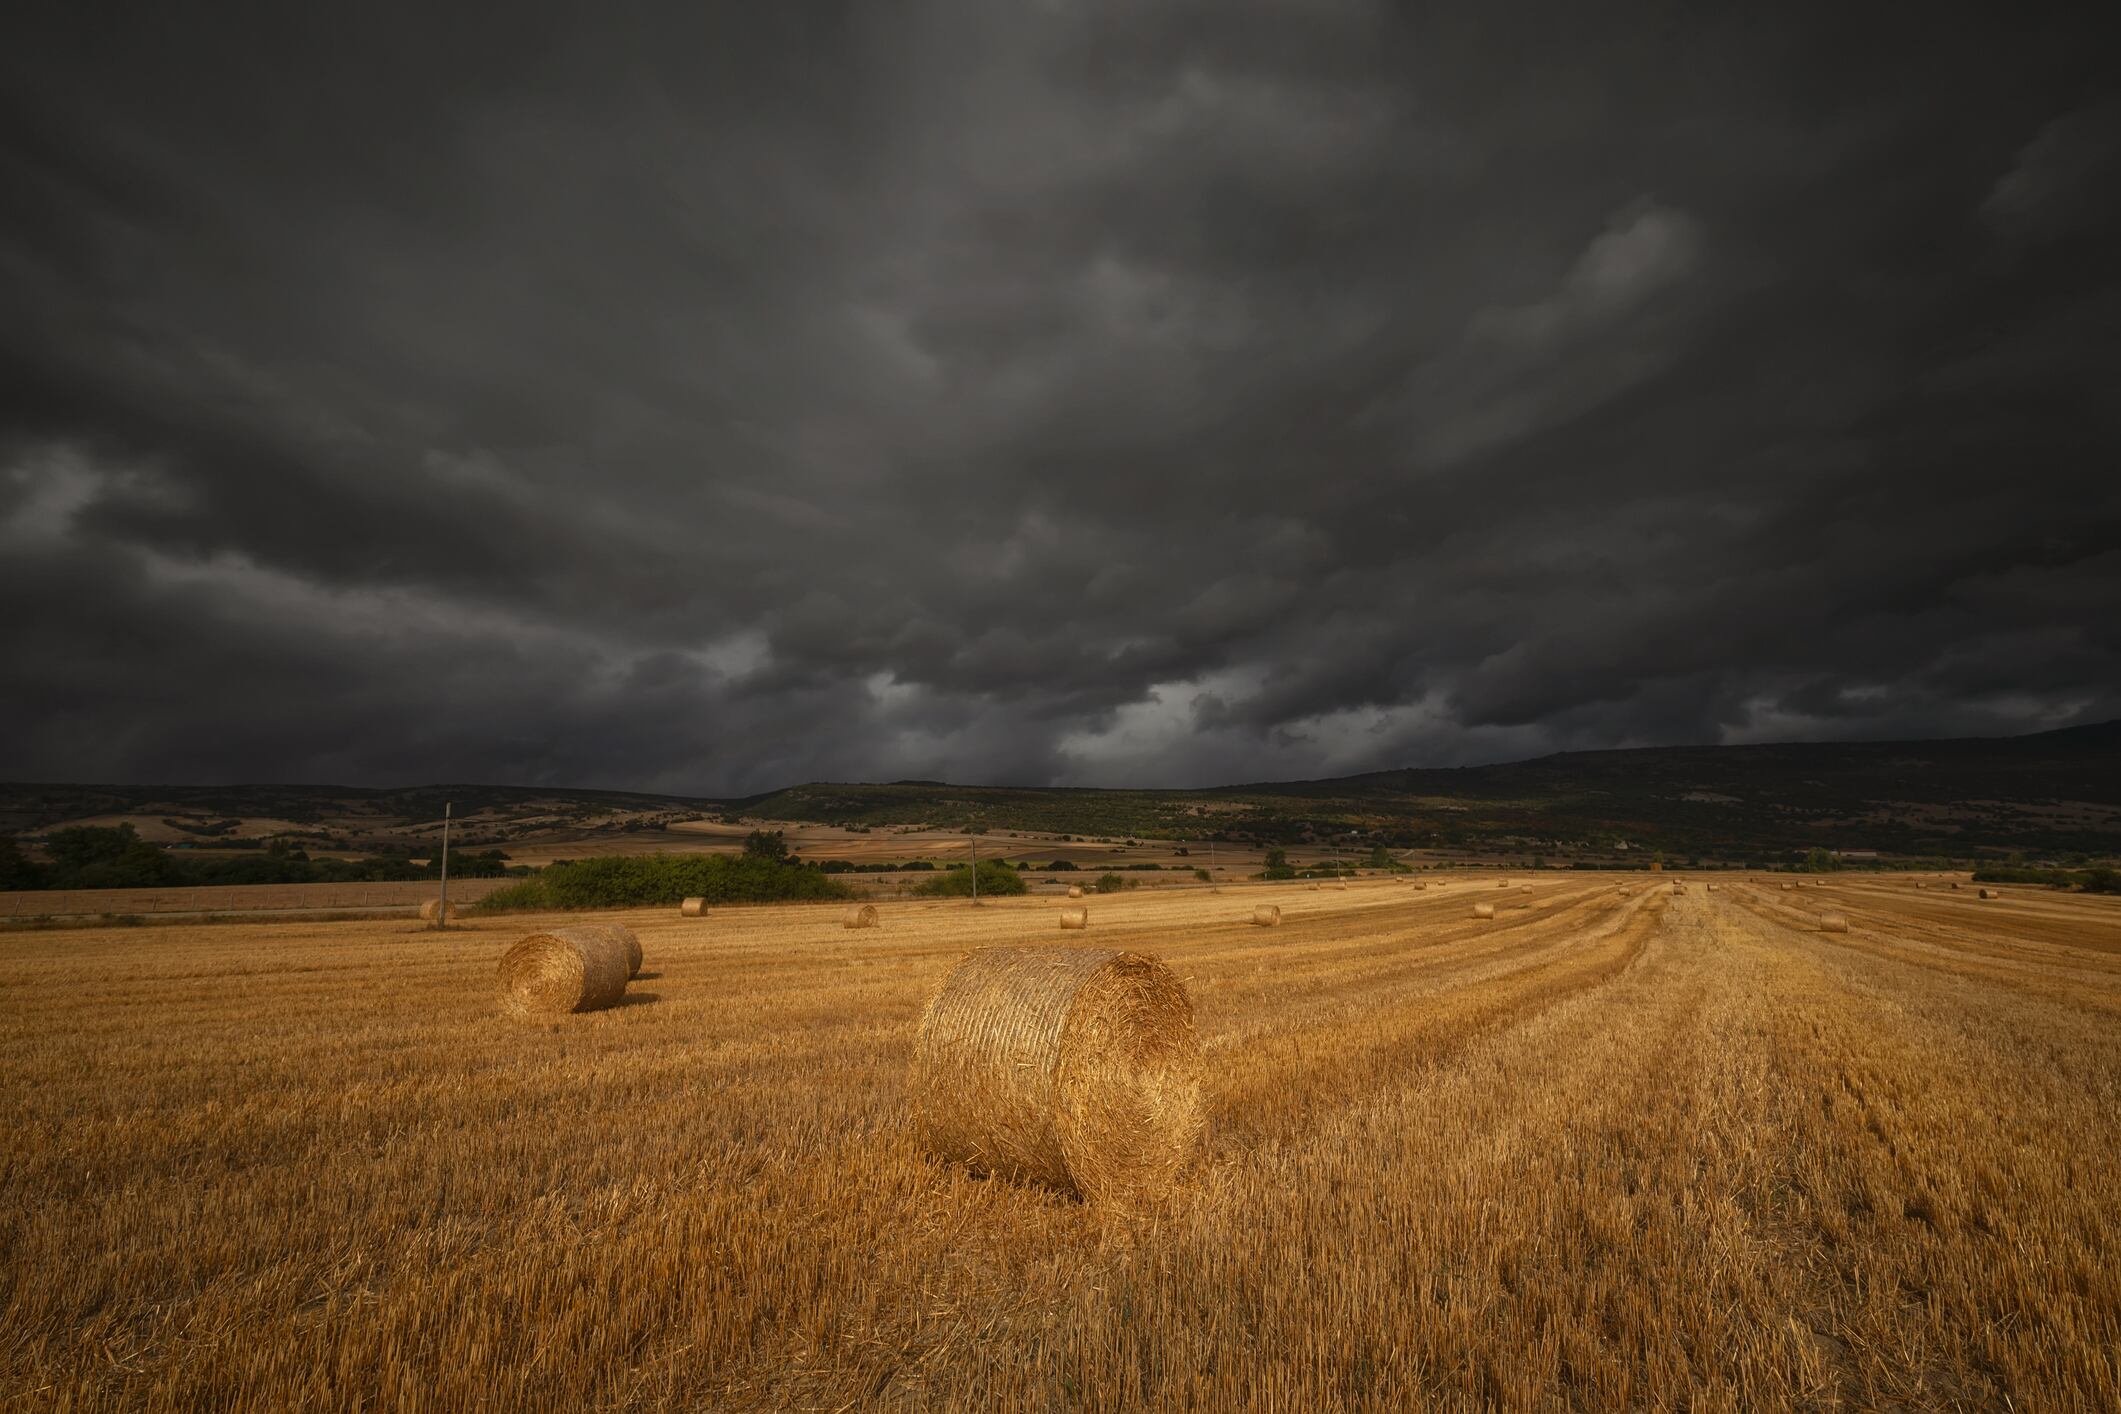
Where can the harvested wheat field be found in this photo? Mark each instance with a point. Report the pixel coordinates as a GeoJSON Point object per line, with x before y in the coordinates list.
{"type": "Point", "coordinates": [1600, 1151]}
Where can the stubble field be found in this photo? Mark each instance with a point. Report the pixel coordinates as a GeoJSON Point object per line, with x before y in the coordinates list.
{"type": "Point", "coordinates": [1609, 1150]}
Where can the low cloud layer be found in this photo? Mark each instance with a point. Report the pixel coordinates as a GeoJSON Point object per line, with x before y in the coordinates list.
{"type": "Point", "coordinates": [1088, 393]}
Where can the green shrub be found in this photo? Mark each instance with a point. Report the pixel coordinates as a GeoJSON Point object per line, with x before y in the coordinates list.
{"type": "Point", "coordinates": [1110, 883]}
{"type": "Point", "coordinates": [1202, 875]}
{"type": "Point", "coordinates": [631, 881]}
{"type": "Point", "coordinates": [18, 870]}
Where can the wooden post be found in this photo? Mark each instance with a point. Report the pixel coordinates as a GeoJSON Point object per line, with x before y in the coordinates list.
{"type": "Point", "coordinates": [442, 913]}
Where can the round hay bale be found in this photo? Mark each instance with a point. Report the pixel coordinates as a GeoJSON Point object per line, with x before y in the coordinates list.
{"type": "Point", "coordinates": [1833, 923]}
{"type": "Point", "coordinates": [1419, 883]}
{"type": "Point", "coordinates": [862, 915]}
{"type": "Point", "coordinates": [1483, 910]}
{"type": "Point", "coordinates": [1789, 886]}
{"type": "Point", "coordinates": [1077, 1068]}
{"type": "Point", "coordinates": [1075, 891]}
{"type": "Point", "coordinates": [581, 968]}
{"type": "Point", "coordinates": [1075, 918]}
{"type": "Point", "coordinates": [1314, 888]}
{"type": "Point", "coordinates": [693, 908]}
{"type": "Point", "coordinates": [431, 912]}
{"type": "Point", "coordinates": [1524, 888]}
{"type": "Point", "coordinates": [1992, 893]}
{"type": "Point", "coordinates": [1267, 915]}
{"type": "Point", "coordinates": [1342, 886]}
{"type": "Point", "coordinates": [1955, 883]}
{"type": "Point", "coordinates": [1502, 883]}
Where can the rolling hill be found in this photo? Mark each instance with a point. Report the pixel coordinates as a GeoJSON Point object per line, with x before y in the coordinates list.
{"type": "Point", "coordinates": [2052, 793]}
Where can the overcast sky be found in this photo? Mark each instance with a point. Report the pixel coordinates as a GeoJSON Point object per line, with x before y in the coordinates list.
{"type": "Point", "coordinates": [712, 397]}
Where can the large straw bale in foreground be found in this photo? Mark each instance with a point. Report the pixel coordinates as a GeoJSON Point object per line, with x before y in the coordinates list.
{"type": "Point", "coordinates": [1833, 923]}
{"type": "Point", "coordinates": [1267, 915]}
{"type": "Point", "coordinates": [862, 915]}
{"type": "Point", "coordinates": [692, 908]}
{"type": "Point", "coordinates": [581, 968]}
{"type": "Point", "coordinates": [1072, 1067]}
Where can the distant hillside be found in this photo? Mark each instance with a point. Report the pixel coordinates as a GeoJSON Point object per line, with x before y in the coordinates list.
{"type": "Point", "coordinates": [344, 817]}
{"type": "Point", "coordinates": [2050, 794]}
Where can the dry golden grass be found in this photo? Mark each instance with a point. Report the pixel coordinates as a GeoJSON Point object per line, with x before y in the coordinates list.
{"type": "Point", "coordinates": [1601, 1151]}
{"type": "Point", "coordinates": [240, 898]}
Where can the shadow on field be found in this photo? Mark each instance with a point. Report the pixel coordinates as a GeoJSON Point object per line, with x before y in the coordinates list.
{"type": "Point", "coordinates": [646, 976]}
{"type": "Point", "coordinates": [637, 999]}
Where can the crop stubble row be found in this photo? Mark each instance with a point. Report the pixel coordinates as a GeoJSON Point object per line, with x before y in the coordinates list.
{"type": "Point", "coordinates": [1602, 1150]}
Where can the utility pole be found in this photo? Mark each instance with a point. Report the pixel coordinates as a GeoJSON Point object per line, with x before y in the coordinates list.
{"type": "Point", "coordinates": [442, 913]}
{"type": "Point", "coordinates": [972, 840]}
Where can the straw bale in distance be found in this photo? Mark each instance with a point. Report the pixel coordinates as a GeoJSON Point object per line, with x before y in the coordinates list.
{"type": "Point", "coordinates": [432, 910]}
{"type": "Point", "coordinates": [1077, 1068]}
{"type": "Point", "coordinates": [862, 915]}
{"type": "Point", "coordinates": [580, 968]}
{"type": "Point", "coordinates": [1991, 893]}
{"type": "Point", "coordinates": [1075, 891]}
{"type": "Point", "coordinates": [1075, 918]}
{"type": "Point", "coordinates": [1267, 915]}
{"type": "Point", "coordinates": [1833, 923]}
{"type": "Point", "coordinates": [1483, 910]}
{"type": "Point", "coordinates": [1524, 888]}
{"type": "Point", "coordinates": [693, 908]}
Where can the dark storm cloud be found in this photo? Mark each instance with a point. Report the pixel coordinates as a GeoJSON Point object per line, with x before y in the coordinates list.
{"type": "Point", "coordinates": [1075, 392]}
